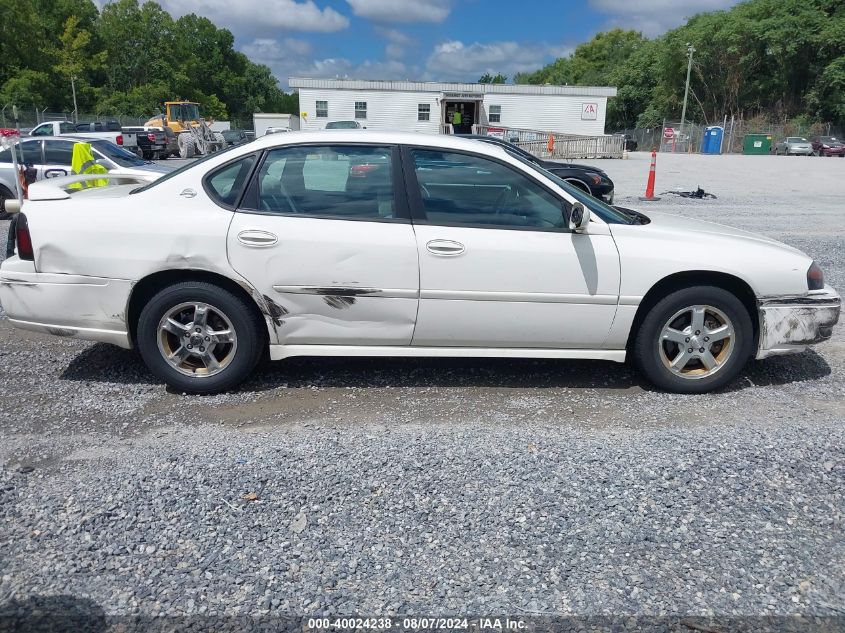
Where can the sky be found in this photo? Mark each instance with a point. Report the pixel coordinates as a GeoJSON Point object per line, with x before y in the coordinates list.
{"type": "Point", "coordinates": [429, 40]}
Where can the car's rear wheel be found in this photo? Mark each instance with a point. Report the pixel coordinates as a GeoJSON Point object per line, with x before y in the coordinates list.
{"type": "Point", "coordinates": [199, 337]}
{"type": "Point", "coordinates": [5, 194]}
{"type": "Point", "coordinates": [694, 340]}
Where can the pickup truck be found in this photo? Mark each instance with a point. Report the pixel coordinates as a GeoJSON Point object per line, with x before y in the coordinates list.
{"type": "Point", "coordinates": [147, 142]}
{"type": "Point", "coordinates": [67, 128]}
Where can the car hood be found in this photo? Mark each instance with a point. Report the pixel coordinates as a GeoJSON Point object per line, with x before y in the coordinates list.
{"type": "Point", "coordinates": [680, 224]}
{"type": "Point", "coordinates": [798, 144]}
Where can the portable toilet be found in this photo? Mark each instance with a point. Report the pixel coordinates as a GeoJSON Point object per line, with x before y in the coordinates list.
{"type": "Point", "coordinates": [712, 143]}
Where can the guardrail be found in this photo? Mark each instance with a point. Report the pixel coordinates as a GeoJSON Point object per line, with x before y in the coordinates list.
{"type": "Point", "coordinates": [566, 146]}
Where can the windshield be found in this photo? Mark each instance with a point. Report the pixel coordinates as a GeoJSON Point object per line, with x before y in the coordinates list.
{"type": "Point", "coordinates": [607, 213]}
{"type": "Point", "coordinates": [185, 168]}
{"type": "Point", "coordinates": [117, 154]}
{"type": "Point", "coordinates": [796, 139]}
{"type": "Point", "coordinates": [183, 112]}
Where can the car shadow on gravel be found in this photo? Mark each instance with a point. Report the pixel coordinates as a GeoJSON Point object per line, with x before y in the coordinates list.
{"type": "Point", "coordinates": [53, 614]}
{"type": "Point", "coordinates": [106, 363]}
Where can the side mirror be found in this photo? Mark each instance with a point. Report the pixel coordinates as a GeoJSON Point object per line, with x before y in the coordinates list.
{"type": "Point", "coordinates": [12, 206]}
{"type": "Point", "coordinates": [579, 218]}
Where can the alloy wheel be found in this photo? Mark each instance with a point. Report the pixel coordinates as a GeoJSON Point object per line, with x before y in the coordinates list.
{"type": "Point", "coordinates": [696, 342]}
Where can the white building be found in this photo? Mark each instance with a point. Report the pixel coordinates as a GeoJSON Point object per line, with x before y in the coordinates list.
{"type": "Point", "coordinates": [430, 106]}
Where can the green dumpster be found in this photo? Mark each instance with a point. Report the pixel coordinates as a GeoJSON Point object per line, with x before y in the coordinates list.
{"type": "Point", "coordinates": [757, 144]}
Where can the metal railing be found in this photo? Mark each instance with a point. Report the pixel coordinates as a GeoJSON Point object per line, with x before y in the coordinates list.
{"type": "Point", "coordinates": [566, 146]}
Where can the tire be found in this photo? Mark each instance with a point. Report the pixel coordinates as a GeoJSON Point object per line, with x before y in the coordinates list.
{"type": "Point", "coordinates": [653, 354]}
{"type": "Point", "coordinates": [236, 355]}
{"type": "Point", "coordinates": [221, 141]}
{"type": "Point", "coordinates": [187, 146]}
{"type": "Point", "coordinates": [580, 184]}
{"type": "Point", "coordinates": [5, 194]}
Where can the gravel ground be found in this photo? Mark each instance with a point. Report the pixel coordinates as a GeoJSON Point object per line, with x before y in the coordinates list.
{"type": "Point", "coordinates": [379, 486]}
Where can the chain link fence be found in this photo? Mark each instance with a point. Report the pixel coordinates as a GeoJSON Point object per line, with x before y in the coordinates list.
{"type": "Point", "coordinates": [688, 138]}
{"type": "Point", "coordinates": [30, 117]}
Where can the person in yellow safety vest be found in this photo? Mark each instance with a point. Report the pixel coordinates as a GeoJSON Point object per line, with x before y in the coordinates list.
{"type": "Point", "coordinates": [456, 118]}
{"type": "Point", "coordinates": [83, 162]}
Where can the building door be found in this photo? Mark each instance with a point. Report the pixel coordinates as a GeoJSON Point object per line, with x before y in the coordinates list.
{"type": "Point", "coordinates": [462, 115]}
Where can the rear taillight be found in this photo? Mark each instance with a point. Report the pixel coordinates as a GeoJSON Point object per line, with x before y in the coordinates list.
{"type": "Point", "coordinates": [23, 238]}
{"type": "Point", "coordinates": [815, 277]}
{"type": "Point", "coordinates": [152, 137]}
{"type": "Point", "coordinates": [119, 139]}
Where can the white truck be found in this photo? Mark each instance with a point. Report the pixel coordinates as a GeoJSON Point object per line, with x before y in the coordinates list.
{"type": "Point", "coordinates": [84, 130]}
{"type": "Point", "coordinates": [263, 120]}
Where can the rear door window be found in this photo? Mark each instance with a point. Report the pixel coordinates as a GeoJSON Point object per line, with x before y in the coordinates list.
{"type": "Point", "coordinates": [343, 182]}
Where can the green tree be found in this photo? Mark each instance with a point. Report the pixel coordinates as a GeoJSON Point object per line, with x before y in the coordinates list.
{"type": "Point", "coordinates": [487, 78]}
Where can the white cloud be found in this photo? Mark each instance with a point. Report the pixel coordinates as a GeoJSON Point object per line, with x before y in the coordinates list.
{"type": "Point", "coordinates": [293, 58]}
{"type": "Point", "coordinates": [256, 16]}
{"type": "Point", "coordinates": [654, 17]}
{"type": "Point", "coordinates": [457, 61]}
{"type": "Point", "coordinates": [397, 42]}
{"type": "Point", "coordinates": [401, 10]}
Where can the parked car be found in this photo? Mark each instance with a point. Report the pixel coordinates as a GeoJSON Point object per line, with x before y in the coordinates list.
{"type": "Point", "coordinates": [828, 146]}
{"type": "Point", "coordinates": [447, 247]}
{"type": "Point", "coordinates": [344, 125]}
{"type": "Point", "coordinates": [590, 179]}
{"type": "Point", "coordinates": [67, 128]}
{"type": "Point", "coordinates": [235, 137]}
{"type": "Point", "coordinates": [277, 130]}
{"type": "Point", "coordinates": [51, 157]}
{"type": "Point", "coordinates": [794, 146]}
{"type": "Point", "coordinates": [630, 144]}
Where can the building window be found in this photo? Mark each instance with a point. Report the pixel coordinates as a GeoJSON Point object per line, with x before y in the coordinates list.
{"type": "Point", "coordinates": [495, 114]}
{"type": "Point", "coordinates": [322, 109]}
{"type": "Point", "coordinates": [424, 112]}
{"type": "Point", "coordinates": [360, 109]}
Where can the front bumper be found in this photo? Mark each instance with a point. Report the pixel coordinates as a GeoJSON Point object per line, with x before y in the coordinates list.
{"type": "Point", "coordinates": [799, 151]}
{"type": "Point", "coordinates": [790, 324]}
{"type": "Point", "coordinates": [832, 151]}
{"type": "Point", "coordinates": [89, 308]}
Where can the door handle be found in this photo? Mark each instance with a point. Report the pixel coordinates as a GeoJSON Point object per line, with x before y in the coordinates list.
{"type": "Point", "coordinates": [448, 248]}
{"type": "Point", "coordinates": [261, 239]}
{"type": "Point", "coordinates": [188, 193]}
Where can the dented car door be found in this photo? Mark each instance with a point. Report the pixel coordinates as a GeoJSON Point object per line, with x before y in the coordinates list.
{"type": "Point", "coordinates": [323, 232]}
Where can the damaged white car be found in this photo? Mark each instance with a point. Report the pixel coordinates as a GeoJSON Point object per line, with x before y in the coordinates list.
{"type": "Point", "coordinates": [355, 243]}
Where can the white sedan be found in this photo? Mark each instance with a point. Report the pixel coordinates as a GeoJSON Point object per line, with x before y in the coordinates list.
{"type": "Point", "coordinates": [356, 243]}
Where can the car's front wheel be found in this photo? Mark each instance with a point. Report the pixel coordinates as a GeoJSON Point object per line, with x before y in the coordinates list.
{"type": "Point", "coordinates": [199, 337]}
{"type": "Point", "coordinates": [694, 340]}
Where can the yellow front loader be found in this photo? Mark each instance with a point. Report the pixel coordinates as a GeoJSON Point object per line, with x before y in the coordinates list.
{"type": "Point", "coordinates": [192, 132]}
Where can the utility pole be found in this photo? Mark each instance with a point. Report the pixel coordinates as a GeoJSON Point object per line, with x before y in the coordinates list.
{"type": "Point", "coordinates": [76, 112]}
{"type": "Point", "coordinates": [690, 51]}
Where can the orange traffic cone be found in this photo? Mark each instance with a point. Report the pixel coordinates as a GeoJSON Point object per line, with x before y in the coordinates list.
{"type": "Point", "coordinates": [649, 189]}
{"type": "Point", "coordinates": [551, 145]}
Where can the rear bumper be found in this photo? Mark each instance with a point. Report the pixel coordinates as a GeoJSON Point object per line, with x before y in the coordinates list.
{"type": "Point", "coordinates": [790, 324]}
{"type": "Point", "coordinates": [89, 308]}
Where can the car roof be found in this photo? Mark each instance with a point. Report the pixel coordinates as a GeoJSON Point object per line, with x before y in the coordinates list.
{"type": "Point", "coordinates": [443, 141]}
